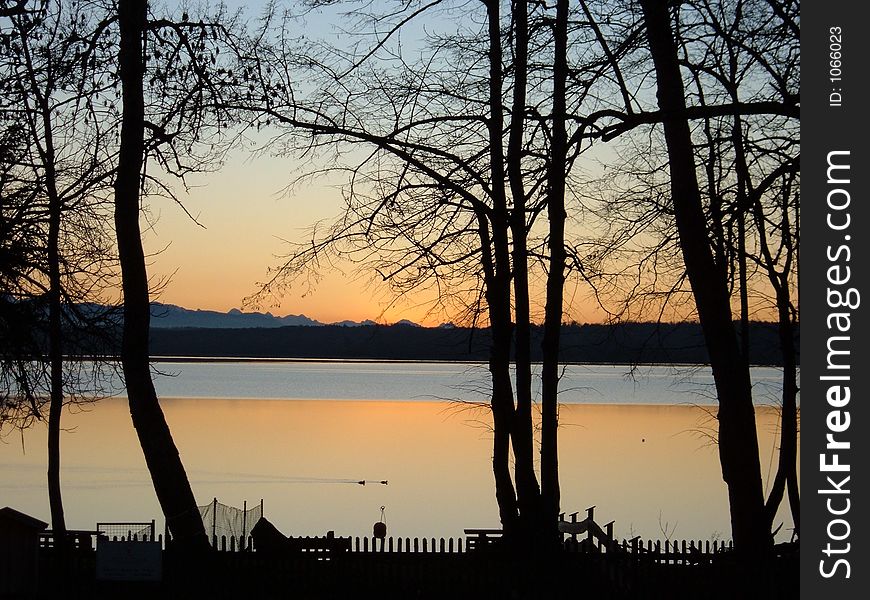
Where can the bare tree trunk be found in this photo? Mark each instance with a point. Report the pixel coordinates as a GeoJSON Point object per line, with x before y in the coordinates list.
{"type": "Point", "coordinates": [794, 499]}
{"type": "Point", "coordinates": [738, 443]}
{"type": "Point", "coordinates": [503, 417]}
{"type": "Point", "coordinates": [528, 491]}
{"type": "Point", "coordinates": [787, 465]}
{"type": "Point", "coordinates": [46, 151]}
{"type": "Point", "coordinates": [555, 277]}
{"type": "Point", "coordinates": [502, 414]}
{"type": "Point", "coordinates": [55, 350]}
{"type": "Point", "coordinates": [786, 473]}
{"type": "Point", "coordinates": [741, 264]}
{"type": "Point", "coordinates": [499, 286]}
{"type": "Point", "coordinates": [501, 401]}
{"type": "Point", "coordinates": [742, 207]}
{"type": "Point", "coordinates": [167, 472]}
{"type": "Point", "coordinates": [741, 212]}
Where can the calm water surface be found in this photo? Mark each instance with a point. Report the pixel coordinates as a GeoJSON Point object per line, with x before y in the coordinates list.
{"type": "Point", "coordinates": [299, 435]}
{"type": "Point", "coordinates": [608, 384]}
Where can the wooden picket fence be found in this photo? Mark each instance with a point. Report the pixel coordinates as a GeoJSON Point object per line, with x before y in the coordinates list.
{"type": "Point", "coordinates": [426, 567]}
{"type": "Point", "coordinates": [669, 552]}
{"type": "Point", "coordinates": [578, 537]}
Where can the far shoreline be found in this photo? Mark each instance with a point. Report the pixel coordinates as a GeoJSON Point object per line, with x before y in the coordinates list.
{"type": "Point", "coordinates": [334, 360]}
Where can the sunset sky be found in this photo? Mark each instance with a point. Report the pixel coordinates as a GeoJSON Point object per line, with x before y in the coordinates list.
{"type": "Point", "coordinates": [246, 216]}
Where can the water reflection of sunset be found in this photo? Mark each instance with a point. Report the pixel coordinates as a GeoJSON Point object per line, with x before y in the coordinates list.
{"type": "Point", "coordinates": [648, 468]}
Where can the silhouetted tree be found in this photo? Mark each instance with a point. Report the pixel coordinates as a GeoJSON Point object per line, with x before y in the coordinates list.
{"type": "Point", "coordinates": [175, 116]}
{"type": "Point", "coordinates": [161, 455]}
{"type": "Point", "coordinates": [752, 170]}
{"type": "Point", "coordinates": [738, 445]}
{"type": "Point", "coordinates": [21, 377]}
{"type": "Point", "coordinates": [739, 106]}
{"type": "Point", "coordinates": [64, 162]}
{"type": "Point", "coordinates": [443, 201]}
{"type": "Point", "coordinates": [556, 190]}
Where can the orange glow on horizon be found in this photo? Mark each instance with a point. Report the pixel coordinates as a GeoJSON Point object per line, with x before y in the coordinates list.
{"type": "Point", "coordinates": [245, 217]}
{"type": "Point", "coordinates": [338, 297]}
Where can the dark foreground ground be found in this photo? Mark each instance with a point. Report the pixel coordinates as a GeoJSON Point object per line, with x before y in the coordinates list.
{"type": "Point", "coordinates": [407, 575]}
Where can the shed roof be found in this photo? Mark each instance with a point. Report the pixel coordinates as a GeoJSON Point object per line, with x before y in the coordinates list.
{"type": "Point", "coordinates": [10, 514]}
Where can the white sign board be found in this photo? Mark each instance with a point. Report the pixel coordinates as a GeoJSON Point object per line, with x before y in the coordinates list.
{"type": "Point", "coordinates": [129, 561]}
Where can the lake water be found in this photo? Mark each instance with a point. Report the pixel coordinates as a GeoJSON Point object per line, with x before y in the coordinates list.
{"type": "Point", "coordinates": [300, 434]}
{"type": "Point", "coordinates": [420, 381]}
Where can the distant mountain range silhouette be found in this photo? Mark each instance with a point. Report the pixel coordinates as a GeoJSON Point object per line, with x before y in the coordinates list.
{"type": "Point", "coordinates": [181, 332]}
{"type": "Point", "coordinates": [170, 316]}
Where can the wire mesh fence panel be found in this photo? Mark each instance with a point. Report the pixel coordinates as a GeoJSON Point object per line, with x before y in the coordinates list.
{"type": "Point", "coordinates": [128, 531]}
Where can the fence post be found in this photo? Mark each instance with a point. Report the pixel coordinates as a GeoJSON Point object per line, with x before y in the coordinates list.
{"type": "Point", "coordinates": [573, 520]}
{"type": "Point", "coordinates": [590, 519]}
{"type": "Point", "coordinates": [244, 520]}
